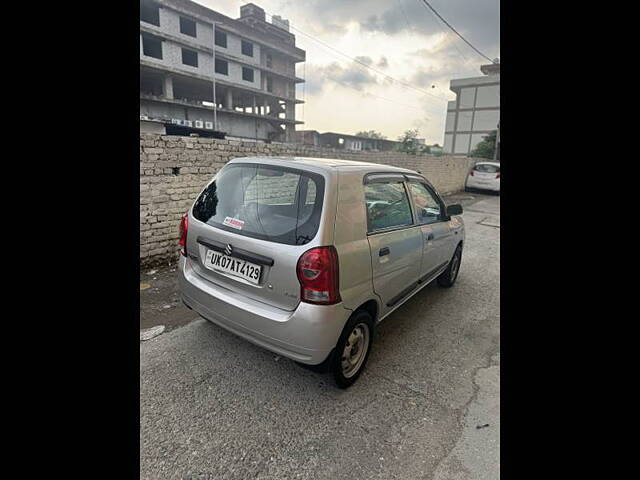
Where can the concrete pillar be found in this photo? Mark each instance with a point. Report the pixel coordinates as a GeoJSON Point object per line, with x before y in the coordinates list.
{"type": "Point", "coordinates": [289, 110]}
{"type": "Point", "coordinates": [229, 103]}
{"type": "Point", "coordinates": [266, 104]}
{"type": "Point", "coordinates": [289, 133]}
{"type": "Point", "coordinates": [168, 86]}
{"type": "Point", "coordinates": [255, 109]}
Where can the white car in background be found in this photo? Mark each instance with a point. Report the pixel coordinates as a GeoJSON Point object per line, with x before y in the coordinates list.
{"type": "Point", "coordinates": [484, 176]}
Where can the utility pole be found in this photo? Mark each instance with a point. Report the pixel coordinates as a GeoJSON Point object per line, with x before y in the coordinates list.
{"type": "Point", "coordinates": [495, 147]}
{"type": "Point", "coordinates": [213, 76]}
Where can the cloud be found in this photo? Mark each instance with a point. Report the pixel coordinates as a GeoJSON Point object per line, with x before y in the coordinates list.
{"type": "Point", "coordinates": [476, 20]}
{"type": "Point", "coordinates": [356, 78]}
{"type": "Point", "coordinates": [438, 64]}
{"type": "Point", "coordinates": [390, 22]}
{"type": "Point", "coordinates": [353, 76]}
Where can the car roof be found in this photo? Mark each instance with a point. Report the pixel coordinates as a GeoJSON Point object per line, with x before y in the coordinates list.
{"type": "Point", "coordinates": [323, 163]}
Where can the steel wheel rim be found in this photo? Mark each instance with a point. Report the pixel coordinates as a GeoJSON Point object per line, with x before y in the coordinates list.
{"type": "Point", "coordinates": [455, 266]}
{"type": "Point", "coordinates": [355, 350]}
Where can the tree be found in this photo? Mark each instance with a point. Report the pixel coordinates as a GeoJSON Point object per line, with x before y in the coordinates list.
{"type": "Point", "coordinates": [409, 143]}
{"type": "Point", "coordinates": [486, 147]}
{"type": "Point", "coordinates": [371, 134]}
{"type": "Point", "coordinates": [436, 150]}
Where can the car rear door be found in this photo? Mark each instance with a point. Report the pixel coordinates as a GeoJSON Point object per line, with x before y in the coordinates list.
{"type": "Point", "coordinates": [436, 234]}
{"type": "Point", "coordinates": [395, 242]}
{"type": "Point", "coordinates": [258, 218]}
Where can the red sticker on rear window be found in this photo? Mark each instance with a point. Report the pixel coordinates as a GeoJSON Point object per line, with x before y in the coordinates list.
{"type": "Point", "coordinates": [233, 223]}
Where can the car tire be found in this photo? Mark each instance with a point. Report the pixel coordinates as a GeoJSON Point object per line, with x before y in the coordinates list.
{"type": "Point", "coordinates": [447, 278]}
{"type": "Point", "coordinates": [346, 363]}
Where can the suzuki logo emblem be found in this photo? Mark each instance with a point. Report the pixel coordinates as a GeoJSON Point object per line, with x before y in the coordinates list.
{"type": "Point", "coordinates": [229, 249]}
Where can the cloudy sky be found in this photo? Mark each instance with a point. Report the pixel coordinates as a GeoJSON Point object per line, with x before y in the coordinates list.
{"type": "Point", "coordinates": [400, 38]}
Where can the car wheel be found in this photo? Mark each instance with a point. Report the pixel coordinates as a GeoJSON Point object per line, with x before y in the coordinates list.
{"type": "Point", "coordinates": [352, 350]}
{"type": "Point", "coordinates": [449, 276]}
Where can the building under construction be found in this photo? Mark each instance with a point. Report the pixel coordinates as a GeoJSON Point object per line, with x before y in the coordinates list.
{"type": "Point", "coordinates": [186, 49]}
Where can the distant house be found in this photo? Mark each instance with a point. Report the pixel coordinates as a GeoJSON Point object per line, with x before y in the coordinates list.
{"type": "Point", "coordinates": [308, 137]}
{"type": "Point", "coordinates": [342, 141]}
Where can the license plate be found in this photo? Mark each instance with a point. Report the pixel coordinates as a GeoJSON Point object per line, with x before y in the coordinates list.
{"type": "Point", "coordinates": [220, 262]}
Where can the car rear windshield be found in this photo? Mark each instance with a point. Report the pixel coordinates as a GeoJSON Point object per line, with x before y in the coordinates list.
{"type": "Point", "coordinates": [486, 168]}
{"type": "Point", "coordinates": [277, 204]}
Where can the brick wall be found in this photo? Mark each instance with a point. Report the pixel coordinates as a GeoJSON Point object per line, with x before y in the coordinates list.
{"type": "Point", "coordinates": [174, 169]}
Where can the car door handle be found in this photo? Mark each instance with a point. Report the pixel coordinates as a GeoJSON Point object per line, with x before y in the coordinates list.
{"type": "Point", "coordinates": [430, 237]}
{"type": "Point", "coordinates": [384, 251]}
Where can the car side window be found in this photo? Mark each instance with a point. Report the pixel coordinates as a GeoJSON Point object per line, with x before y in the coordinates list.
{"type": "Point", "coordinates": [486, 168]}
{"type": "Point", "coordinates": [387, 205]}
{"type": "Point", "coordinates": [427, 207]}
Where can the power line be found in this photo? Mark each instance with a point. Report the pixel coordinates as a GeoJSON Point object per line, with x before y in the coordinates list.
{"type": "Point", "coordinates": [382, 98]}
{"type": "Point", "coordinates": [454, 30]}
{"type": "Point", "coordinates": [362, 63]}
{"type": "Point", "coordinates": [371, 68]}
{"type": "Point", "coordinates": [439, 25]}
{"type": "Point", "coordinates": [364, 93]}
{"type": "Point", "coordinates": [355, 88]}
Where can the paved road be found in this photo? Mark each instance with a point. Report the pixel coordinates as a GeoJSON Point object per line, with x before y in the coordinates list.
{"type": "Point", "coordinates": [213, 406]}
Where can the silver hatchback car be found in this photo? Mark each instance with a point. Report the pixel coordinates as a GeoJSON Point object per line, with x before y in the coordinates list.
{"type": "Point", "coordinates": [304, 256]}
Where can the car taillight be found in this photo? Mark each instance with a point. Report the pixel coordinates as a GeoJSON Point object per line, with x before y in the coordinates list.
{"type": "Point", "coordinates": [318, 276]}
{"type": "Point", "coordinates": [471, 173]}
{"type": "Point", "coordinates": [184, 227]}
{"type": "Point", "coordinates": [498, 175]}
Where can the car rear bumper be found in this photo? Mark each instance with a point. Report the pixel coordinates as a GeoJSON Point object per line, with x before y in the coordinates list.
{"type": "Point", "coordinates": [306, 335]}
{"type": "Point", "coordinates": [492, 184]}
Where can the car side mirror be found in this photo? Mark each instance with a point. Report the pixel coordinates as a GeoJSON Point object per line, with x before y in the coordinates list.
{"type": "Point", "coordinates": [455, 209]}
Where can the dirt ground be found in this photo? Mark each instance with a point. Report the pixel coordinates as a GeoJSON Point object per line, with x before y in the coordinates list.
{"type": "Point", "coordinates": [160, 301]}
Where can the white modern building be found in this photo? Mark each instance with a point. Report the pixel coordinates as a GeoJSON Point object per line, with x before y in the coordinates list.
{"type": "Point", "coordinates": [475, 112]}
